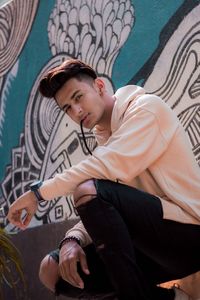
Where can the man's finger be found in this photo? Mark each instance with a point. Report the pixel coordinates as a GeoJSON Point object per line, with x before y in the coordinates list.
{"type": "Point", "coordinates": [66, 275]}
{"type": "Point", "coordinates": [75, 275]}
{"type": "Point", "coordinates": [83, 263]}
{"type": "Point", "coordinates": [27, 219]}
{"type": "Point", "coordinates": [15, 218]}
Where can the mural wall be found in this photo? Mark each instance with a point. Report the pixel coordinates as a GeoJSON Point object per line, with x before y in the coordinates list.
{"type": "Point", "coordinates": [153, 44]}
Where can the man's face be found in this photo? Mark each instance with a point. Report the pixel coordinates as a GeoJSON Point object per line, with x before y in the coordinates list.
{"type": "Point", "coordinates": [82, 101]}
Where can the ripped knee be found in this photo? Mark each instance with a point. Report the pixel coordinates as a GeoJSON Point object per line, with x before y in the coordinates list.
{"type": "Point", "coordinates": [86, 191]}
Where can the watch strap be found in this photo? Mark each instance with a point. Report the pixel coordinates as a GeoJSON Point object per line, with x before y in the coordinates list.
{"type": "Point", "coordinates": [38, 195]}
{"type": "Point", "coordinates": [34, 187]}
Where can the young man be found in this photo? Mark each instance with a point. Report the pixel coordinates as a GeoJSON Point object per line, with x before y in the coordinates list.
{"type": "Point", "coordinates": [137, 194]}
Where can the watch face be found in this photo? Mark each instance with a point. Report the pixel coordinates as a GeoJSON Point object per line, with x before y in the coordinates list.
{"type": "Point", "coordinates": [36, 185]}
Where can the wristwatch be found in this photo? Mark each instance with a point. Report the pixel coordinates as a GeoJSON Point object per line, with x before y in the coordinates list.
{"type": "Point", "coordinates": [34, 187]}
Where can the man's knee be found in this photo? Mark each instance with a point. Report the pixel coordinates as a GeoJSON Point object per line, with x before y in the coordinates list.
{"type": "Point", "coordinates": [86, 191]}
{"type": "Point", "coordinates": [48, 272]}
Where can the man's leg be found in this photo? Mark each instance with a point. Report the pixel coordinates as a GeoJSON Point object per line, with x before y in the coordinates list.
{"type": "Point", "coordinates": [48, 272]}
{"type": "Point", "coordinates": [112, 239]}
{"type": "Point", "coordinates": [125, 225]}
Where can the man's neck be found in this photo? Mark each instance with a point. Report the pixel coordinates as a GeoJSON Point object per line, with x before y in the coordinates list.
{"type": "Point", "coordinates": [106, 122]}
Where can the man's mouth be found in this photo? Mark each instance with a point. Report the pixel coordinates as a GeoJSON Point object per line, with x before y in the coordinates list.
{"type": "Point", "coordinates": [84, 119]}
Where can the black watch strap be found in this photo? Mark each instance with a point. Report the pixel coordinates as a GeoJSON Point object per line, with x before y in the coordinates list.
{"type": "Point", "coordinates": [38, 195]}
{"type": "Point", "coordinates": [34, 187]}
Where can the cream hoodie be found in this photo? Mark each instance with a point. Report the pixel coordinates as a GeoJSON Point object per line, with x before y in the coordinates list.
{"type": "Point", "coordinates": [148, 149]}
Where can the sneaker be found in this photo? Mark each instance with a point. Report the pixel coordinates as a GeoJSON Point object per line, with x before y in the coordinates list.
{"type": "Point", "coordinates": [180, 294]}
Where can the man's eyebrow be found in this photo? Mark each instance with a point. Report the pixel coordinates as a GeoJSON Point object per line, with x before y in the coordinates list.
{"type": "Point", "coordinates": [72, 97]}
{"type": "Point", "coordinates": [74, 94]}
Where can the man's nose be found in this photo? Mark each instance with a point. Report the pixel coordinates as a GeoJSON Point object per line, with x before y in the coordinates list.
{"type": "Point", "coordinates": [78, 110]}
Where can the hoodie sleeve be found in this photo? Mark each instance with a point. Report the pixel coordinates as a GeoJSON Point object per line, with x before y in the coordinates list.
{"type": "Point", "coordinates": [146, 129]}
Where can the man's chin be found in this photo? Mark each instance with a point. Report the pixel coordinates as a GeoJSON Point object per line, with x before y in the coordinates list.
{"type": "Point", "coordinates": [88, 126]}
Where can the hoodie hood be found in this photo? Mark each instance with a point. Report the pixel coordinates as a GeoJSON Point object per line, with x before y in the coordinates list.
{"type": "Point", "coordinates": [123, 97]}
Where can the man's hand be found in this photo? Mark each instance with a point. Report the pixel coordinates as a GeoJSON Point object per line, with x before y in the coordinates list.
{"type": "Point", "coordinates": [26, 202]}
{"type": "Point", "coordinates": [71, 253]}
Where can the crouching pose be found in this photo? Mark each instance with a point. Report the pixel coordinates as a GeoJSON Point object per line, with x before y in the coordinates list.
{"type": "Point", "coordinates": [137, 195]}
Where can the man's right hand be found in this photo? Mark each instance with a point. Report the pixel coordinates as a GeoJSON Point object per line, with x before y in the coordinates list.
{"type": "Point", "coordinates": [71, 253]}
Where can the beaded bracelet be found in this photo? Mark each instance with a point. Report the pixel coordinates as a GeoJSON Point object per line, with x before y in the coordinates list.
{"type": "Point", "coordinates": [67, 239]}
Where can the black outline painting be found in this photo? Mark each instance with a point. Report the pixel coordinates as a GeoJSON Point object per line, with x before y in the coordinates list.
{"type": "Point", "coordinates": [93, 31]}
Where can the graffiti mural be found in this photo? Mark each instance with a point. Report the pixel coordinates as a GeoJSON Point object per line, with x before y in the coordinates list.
{"type": "Point", "coordinates": [50, 142]}
{"type": "Point", "coordinates": [96, 32]}
{"type": "Point", "coordinates": [16, 20]}
{"type": "Point", "coordinates": [179, 76]}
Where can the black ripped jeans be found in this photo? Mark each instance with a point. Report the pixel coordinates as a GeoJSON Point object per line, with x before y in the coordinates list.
{"type": "Point", "coordinates": [137, 247]}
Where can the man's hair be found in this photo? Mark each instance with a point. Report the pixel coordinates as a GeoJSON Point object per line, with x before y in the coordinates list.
{"type": "Point", "coordinates": [54, 79]}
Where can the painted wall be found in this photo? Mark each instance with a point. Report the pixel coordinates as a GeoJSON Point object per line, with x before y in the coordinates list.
{"type": "Point", "coordinates": [155, 44]}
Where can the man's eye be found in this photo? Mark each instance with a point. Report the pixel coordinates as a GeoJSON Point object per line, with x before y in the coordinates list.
{"type": "Point", "coordinates": [78, 97]}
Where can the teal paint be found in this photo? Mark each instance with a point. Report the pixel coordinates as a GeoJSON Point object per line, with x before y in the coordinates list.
{"type": "Point", "coordinates": [150, 18]}
{"type": "Point", "coordinates": [34, 54]}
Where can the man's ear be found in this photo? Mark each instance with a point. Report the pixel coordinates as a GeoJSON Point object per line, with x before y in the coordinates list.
{"type": "Point", "coordinates": [100, 85]}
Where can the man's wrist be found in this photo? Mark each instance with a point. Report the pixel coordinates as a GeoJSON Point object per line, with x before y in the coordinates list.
{"type": "Point", "coordinates": [67, 239]}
